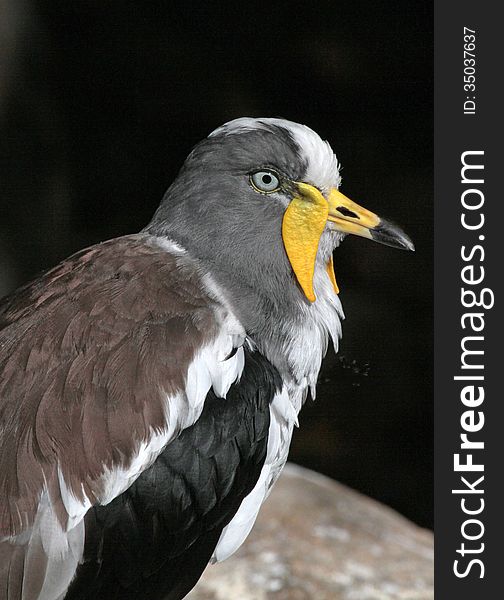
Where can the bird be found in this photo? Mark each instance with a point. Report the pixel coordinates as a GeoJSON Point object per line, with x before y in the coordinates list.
{"type": "Point", "coordinates": [150, 384]}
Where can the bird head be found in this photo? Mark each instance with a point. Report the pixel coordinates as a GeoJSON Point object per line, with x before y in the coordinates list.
{"type": "Point", "coordinates": [261, 197]}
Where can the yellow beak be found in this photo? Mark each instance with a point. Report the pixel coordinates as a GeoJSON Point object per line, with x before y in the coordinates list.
{"type": "Point", "coordinates": [307, 216]}
{"type": "Point", "coordinates": [349, 217]}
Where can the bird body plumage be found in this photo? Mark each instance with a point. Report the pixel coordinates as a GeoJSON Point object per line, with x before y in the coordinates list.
{"type": "Point", "coordinates": [155, 539]}
{"type": "Point", "coordinates": [149, 385]}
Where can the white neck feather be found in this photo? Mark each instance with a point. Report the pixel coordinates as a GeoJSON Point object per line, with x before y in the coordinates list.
{"type": "Point", "coordinates": [306, 337]}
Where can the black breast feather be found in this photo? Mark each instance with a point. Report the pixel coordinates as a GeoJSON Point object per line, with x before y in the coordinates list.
{"type": "Point", "coordinates": [154, 540]}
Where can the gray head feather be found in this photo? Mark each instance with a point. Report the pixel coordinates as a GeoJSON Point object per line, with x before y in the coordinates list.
{"type": "Point", "coordinates": [235, 232]}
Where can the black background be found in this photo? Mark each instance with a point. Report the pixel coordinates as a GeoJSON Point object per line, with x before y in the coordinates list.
{"type": "Point", "coordinates": [100, 102]}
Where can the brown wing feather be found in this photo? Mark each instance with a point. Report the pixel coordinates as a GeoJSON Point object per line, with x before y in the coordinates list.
{"type": "Point", "coordinates": [84, 351]}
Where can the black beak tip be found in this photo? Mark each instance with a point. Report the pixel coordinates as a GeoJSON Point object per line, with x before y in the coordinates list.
{"type": "Point", "coordinates": [391, 235]}
{"type": "Point", "coordinates": [410, 245]}
{"type": "Point", "coordinates": [406, 243]}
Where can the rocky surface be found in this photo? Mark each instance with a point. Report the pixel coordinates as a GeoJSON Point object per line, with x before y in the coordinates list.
{"type": "Point", "coordinates": [317, 539]}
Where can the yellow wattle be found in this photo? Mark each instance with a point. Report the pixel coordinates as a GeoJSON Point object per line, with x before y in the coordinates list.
{"type": "Point", "coordinates": [332, 276]}
{"type": "Point", "coordinates": [303, 223]}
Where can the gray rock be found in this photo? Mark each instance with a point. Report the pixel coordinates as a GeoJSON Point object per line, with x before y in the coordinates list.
{"type": "Point", "coordinates": [317, 539]}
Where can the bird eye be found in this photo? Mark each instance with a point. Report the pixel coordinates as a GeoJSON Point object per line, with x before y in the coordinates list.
{"type": "Point", "coordinates": [265, 181]}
